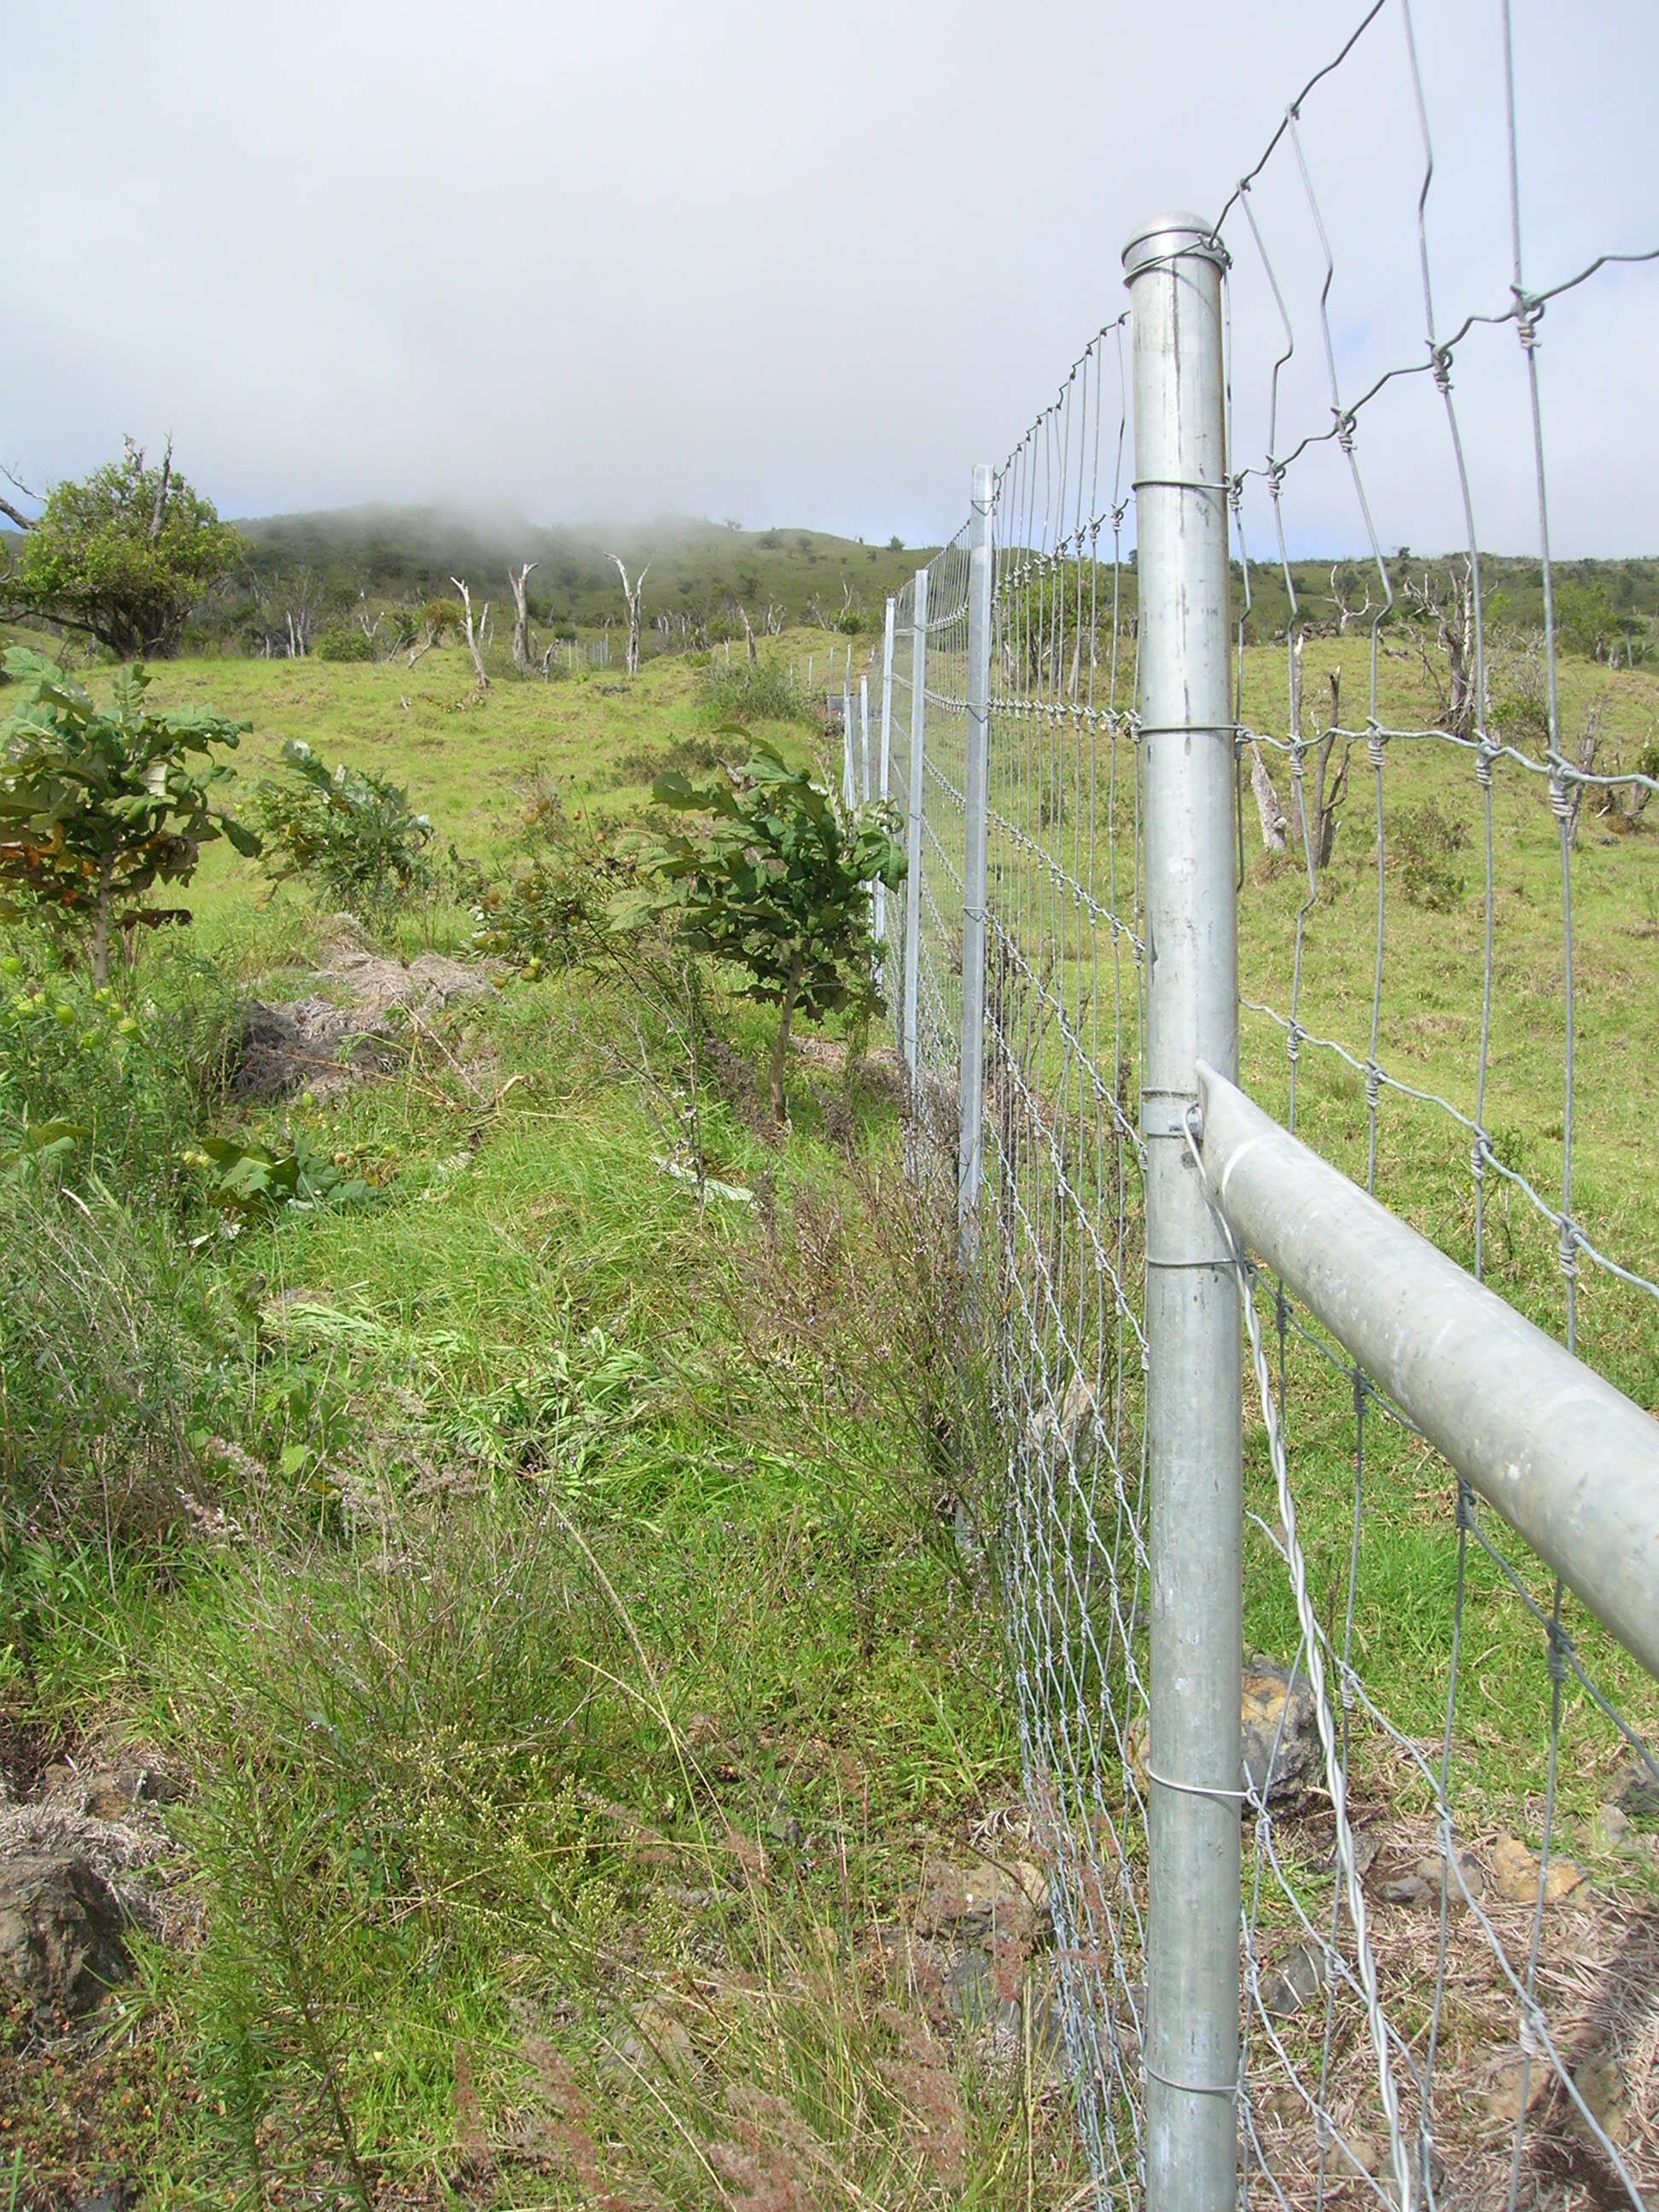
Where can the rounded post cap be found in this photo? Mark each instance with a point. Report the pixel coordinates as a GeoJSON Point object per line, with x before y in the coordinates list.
{"type": "Point", "coordinates": [1168, 235]}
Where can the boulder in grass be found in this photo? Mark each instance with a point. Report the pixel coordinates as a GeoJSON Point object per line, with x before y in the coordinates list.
{"type": "Point", "coordinates": [62, 1944]}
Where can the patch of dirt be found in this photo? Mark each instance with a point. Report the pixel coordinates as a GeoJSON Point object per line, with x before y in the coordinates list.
{"type": "Point", "coordinates": [349, 1029]}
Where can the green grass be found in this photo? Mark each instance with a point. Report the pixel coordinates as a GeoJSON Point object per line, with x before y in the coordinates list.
{"type": "Point", "coordinates": [581, 1634]}
{"type": "Point", "coordinates": [556, 1657]}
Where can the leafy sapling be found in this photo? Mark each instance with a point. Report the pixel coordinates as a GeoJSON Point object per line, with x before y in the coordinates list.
{"type": "Point", "coordinates": [349, 831]}
{"type": "Point", "coordinates": [777, 880]}
{"type": "Point", "coordinates": [100, 804]}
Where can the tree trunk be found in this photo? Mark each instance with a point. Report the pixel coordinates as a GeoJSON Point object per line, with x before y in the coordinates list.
{"type": "Point", "coordinates": [472, 635]}
{"type": "Point", "coordinates": [632, 593]}
{"type": "Point", "coordinates": [781, 1050]}
{"type": "Point", "coordinates": [521, 659]}
{"type": "Point", "coordinates": [1273, 825]}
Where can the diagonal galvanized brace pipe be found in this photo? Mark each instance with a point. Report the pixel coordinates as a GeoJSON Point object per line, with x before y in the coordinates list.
{"type": "Point", "coordinates": [1567, 1461]}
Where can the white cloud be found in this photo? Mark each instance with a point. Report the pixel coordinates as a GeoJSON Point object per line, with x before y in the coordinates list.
{"type": "Point", "coordinates": [741, 259]}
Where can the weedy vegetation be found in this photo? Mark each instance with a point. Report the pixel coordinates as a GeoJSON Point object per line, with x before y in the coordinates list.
{"type": "Point", "coordinates": [504, 1493]}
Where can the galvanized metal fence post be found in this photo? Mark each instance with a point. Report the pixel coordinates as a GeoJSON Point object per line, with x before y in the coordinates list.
{"type": "Point", "coordinates": [864, 740]}
{"type": "Point", "coordinates": [975, 794]}
{"type": "Point", "coordinates": [1194, 1402]}
{"type": "Point", "coordinates": [886, 758]}
{"type": "Point", "coordinates": [913, 827]}
{"type": "Point", "coordinates": [849, 787]}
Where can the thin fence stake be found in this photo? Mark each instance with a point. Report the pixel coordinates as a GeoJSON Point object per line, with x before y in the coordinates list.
{"type": "Point", "coordinates": [913, 827]}
{"type": "Point", "coordinates": [886, 754]}
{"type": "Point", "coordinates": [976, 787]}
{"type": "Point", "coordinates": [1193, 1397]}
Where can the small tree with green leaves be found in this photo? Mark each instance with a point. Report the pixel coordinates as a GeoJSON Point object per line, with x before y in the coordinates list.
{"type": "Point", "coordinates": [125, 553]}
{"type": "Point", "coordinates": [100, 804]}
{"type": "Point", "coordinates": [351, 832]}
{"type": "Point", "coordinates": [777, 880]}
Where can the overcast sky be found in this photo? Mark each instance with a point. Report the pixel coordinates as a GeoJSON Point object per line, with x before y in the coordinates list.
{"type": "Point", "coordinates": [794, 265]}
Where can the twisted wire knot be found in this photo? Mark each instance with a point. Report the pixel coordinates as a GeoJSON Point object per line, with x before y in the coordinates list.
{"type": "Point", "coordinates": [1560, 1647]}
{"type": "Point", "coordinates": [1293, 1042]}
{"type": "Point", "coordinates": [1373, 1085]}
{"type": "Point", "coordinates": [1464, 1506]}
{"type": "Point", "coordinates": [1529, 313]}
{"type": "Point", "coordinates": [1374, 744]}
{"type": "Point", "coordinates": [1483, 760]}
{"type": "Point", "coordinates": [1560, 797]}
{"type": "Point", "coordinates": [1441, 358]}
{"type": "Point", "coordinates": [1344, 430]}
{"type": "Point", "coordinates": [1570, 1243]}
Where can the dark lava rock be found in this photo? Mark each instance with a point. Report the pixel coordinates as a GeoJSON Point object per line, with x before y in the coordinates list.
{"type": "Point", "coordinates": [61, 1925]}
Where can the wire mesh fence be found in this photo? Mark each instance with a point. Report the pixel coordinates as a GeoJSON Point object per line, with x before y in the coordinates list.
{"type": "Point", "coordinates": [1449, 989]}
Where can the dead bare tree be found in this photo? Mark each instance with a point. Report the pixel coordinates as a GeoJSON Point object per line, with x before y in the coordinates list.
{"type": "Point", "coordinates": [1345, 613]}
{"type": "Point", "coordinates": [748, 631]}
{"type": "Point", "coordinates": [299, 612]}
{"type": "Point", "coordinates": [159, 510]}
{"type": "Point", "coordinates": [775, 615]}
{"type": "Point", "coordinates": [1449, 606]}
{"type": "Point", "coordinates": [472, 635]}
{"type": "Point", "coordinates": [1589, 744]}
{"type": "Point", "coordinates": [1315, 815]}
{"type": "Point", "coordinates": [371, 630]}
{"type": "Point", "coordinates": [631, 592]}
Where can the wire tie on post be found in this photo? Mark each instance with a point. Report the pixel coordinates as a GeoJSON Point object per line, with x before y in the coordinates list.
{"type": "Point", "coordinates": [1194, 1789]}
{"type": "Point", "coordinates": [1441, 357]}
{"type": "Point", "coordinates": [1529, 313]}
{"type": "Point", "coordinates": [1229, 2090]}
{"type": "Point", "coordinates": [1531, 2038]}
{"type": "Point", "coordinates": [1569, 1248]}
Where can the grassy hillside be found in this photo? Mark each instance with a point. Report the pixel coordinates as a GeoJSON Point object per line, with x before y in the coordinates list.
{"type": "Point", "coordinates": [695, 568]}
{"type": "Point", "coordinates": [497, 1621]}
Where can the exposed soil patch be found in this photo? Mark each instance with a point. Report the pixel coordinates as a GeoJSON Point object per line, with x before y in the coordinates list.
{"type": "Point", "coordinates": [352, 1028]}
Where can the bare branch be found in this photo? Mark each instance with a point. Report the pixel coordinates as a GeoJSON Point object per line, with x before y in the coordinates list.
{"type": "Point", "coordinates": [158, 513]}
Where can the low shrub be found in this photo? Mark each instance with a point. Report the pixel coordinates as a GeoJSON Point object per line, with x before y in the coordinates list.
{"type": "Point", "coordinates": [343, 644]}
{"type": "Point", "coordinates": [349, 832]}
{"type": "Point", "coordinates": [768, 693]}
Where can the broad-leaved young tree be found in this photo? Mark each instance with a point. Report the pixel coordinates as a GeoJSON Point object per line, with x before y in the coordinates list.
{"type": "Point", "coordinates": [777, 880]}
{"type": "Point", "coordinates": [124, 554]}
{"type": "Point", "coordinates": [98, 804]}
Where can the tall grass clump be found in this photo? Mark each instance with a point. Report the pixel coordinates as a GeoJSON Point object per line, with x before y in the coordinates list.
{"type": "Point", "coordinates": [765, 693]}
